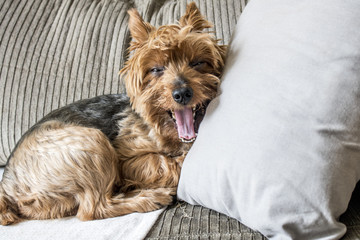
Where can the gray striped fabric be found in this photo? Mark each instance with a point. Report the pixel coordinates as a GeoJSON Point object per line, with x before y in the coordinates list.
{"type": "Point", "coordinates": [184, 221]}
{"type": "Point", "coordinates": [55, 52]}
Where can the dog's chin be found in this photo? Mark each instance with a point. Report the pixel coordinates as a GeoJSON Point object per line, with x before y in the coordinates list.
{"type": "Point", "coordinates": [187, 121]}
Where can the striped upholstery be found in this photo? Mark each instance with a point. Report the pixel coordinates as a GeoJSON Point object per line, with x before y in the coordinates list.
{"type": "Point", "coordinates": [184, 221]}
{"type": "Point", "coordinates": [53, 53]}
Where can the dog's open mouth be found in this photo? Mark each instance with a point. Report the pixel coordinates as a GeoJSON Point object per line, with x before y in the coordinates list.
{"type": "Point", "coordinates": [187, 121]}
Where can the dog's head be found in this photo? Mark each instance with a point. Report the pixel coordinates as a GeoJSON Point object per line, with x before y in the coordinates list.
{"type": "Point", "coordinates": [173, 72]}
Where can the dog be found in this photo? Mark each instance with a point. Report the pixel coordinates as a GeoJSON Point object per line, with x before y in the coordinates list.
{"type": "Point", "coordinates": [117, 154]}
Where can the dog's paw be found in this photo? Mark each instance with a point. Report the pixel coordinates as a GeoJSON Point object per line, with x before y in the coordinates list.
{"type": "Point", "coordinates": [164, 197]}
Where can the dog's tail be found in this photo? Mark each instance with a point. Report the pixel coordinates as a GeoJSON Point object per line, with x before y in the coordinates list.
{"type": "Point", "coordinates": [8, 211]}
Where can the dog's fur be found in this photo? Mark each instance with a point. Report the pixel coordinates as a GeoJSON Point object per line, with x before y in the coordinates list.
{"type": "Point", "coordinates": [117, 154]}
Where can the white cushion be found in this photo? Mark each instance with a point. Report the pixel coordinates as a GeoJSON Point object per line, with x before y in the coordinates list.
{"type": "Point", "coordinates": [279, 149]}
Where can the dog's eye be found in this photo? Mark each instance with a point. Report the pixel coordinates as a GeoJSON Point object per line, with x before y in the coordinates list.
{"type": "Point", "coordinates": [157, 70]}
{"type": "Point", "coordinates": [196, 64]}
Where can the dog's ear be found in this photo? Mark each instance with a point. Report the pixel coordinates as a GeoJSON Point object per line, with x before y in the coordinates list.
{"type": "Point", "coordinates": [194, 19]}
{"type": "Point", "coordinates": [139, 29]}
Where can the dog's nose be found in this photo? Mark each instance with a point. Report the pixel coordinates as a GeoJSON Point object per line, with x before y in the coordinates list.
{"type": "Point", "coordinates": [182, 95]}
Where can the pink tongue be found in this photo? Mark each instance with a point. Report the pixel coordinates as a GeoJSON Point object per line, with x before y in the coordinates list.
{"type": "Point", "coordinates": [185, 123]}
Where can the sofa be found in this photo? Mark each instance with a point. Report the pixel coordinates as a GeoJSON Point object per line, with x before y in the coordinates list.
{"type": "Point", "coordinates": [55, 52]}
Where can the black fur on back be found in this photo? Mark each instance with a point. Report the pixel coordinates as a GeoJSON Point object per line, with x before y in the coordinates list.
{"type": "Point", "coordinates": [100, 112]}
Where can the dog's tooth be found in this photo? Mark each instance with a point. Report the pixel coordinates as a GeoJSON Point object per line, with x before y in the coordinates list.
{"type": "Point", "coordinates": [188, 141]}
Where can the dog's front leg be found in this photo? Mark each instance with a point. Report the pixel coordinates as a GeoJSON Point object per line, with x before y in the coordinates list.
{"type": "Point", "coordinates": [150, 171]}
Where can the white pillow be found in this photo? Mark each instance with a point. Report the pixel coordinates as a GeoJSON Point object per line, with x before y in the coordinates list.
{"type": "Point", "coordinates": [279, 149]}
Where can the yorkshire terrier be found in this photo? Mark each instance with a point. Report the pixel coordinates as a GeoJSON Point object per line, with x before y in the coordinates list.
{"type": "Point", "coordinates": [118, 154]}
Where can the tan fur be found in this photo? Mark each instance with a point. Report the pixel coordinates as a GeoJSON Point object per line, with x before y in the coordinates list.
{"type": "Point", "coordinates": [63, 169]}
{"type": "Point", "coordinates": [147, 160]}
